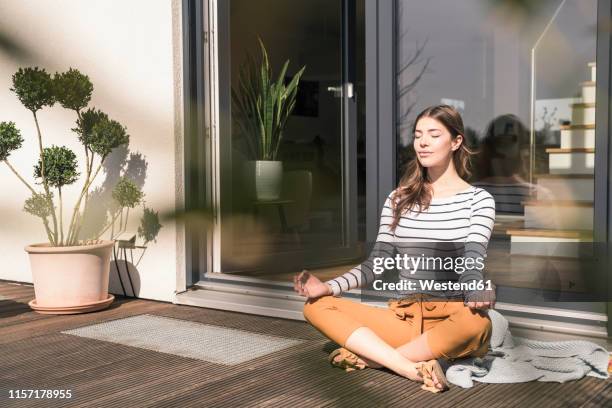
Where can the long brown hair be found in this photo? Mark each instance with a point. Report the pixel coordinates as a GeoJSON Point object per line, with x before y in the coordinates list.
{"type": "Point", "coordinates": [414, 188]}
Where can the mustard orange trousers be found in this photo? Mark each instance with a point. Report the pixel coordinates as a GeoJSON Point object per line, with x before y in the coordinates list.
{"type": "Point", "coordinates": [453, 329]}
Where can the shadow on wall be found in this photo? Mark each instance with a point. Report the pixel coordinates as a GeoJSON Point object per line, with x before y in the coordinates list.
{"type": "Point", "coordinates": [102, 209]}
{"type": "Point", "coordinates": [119, 164]}
{"type": "Point", "coordinates": [124, 272]}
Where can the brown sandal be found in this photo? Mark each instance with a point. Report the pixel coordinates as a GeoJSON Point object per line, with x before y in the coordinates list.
{"type": "Point", "coordinates": [425, 370]}
{"type": "Point", "coordinates": [348, 362]}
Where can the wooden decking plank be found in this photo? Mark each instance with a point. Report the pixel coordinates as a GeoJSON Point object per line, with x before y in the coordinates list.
{"type": "Point", "coordinates": [18, 292]}
{"type": "Point", "coordinates": [602, 399]}
{"type": "Point", "coordinates": [109, 384]}
{"type": "Point", "coordinates": [494, 394]}
{"type": "Point", "coordinates": [7, 307]}
{"type": "Point", "coordinates": [34, 348]}
{"type": "Point", "coordinates": [175, 387]}
{"type": "Point", "coordinates": [57, 323]}
{"type": "Point", "coordinates": [373, 388]}
{"type": "Point", "coordinates": [323, 384]}
{"type": "Point", "coordinates": [11, 317]}
{"type": "Point", "coordinates": [44, 368]}
{"type": "Point", "coordinates": [383, 393]}
{"type": "Point", "coordinates": [17, 315]}
{"type": "Point", "coordinates": [571, 393]}
{"type": "Point", "coordinates": [217, 390]}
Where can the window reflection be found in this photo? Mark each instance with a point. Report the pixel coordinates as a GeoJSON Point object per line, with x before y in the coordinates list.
{"type": "Point", "coordinates": [522, 75]}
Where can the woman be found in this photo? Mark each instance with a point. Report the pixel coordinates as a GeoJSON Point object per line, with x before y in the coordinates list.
{"type": "Point", "coordinates": [433, 203]}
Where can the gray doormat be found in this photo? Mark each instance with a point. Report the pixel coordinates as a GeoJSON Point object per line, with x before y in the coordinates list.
{"type": "Point", "coordinates": [184, 338]}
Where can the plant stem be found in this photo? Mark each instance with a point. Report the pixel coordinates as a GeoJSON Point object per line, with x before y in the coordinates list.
{"type": "Point", "coordinates": [112, 232]}
{"type": "Point", "coordinates": [79, 218]}
{"type": "Point", "coordinates": [120, 222]}
{"type": "Point", "coordinates": [44, 179]}
{"type": "Point", "coordinates": [48, 230]}
{"type": "Point", "coordinates": [77, 206]}
{"type": "Point", "coordinates": [112, 222]}
{"type": "Point", "coordinates": [74, 234]}
{"type": "Point", "coordinates": [19, 177]}
{"type": "Point", "coordinates": [127, 214]}
{"type": "Point", "coordinates": [61, 223]}
{"type": "Point", "coordinates": [44, 219]}
{"type": "Point", "coordinates": [88, 166]}
{"type": "Point", "coordinates": [78, 221]}
{"type": "Point", "coordinates": [91, 162]}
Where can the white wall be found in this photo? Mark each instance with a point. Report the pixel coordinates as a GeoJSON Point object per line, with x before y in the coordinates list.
{"type": "Point", "coordinates": [131, 50]}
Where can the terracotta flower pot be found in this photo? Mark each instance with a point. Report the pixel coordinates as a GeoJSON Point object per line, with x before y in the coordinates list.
{"type": "Point", "coordinates": [72, 279]}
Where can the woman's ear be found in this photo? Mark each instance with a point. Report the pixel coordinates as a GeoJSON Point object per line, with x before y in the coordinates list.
{"type": "Point", "coordinates": [456, 142]}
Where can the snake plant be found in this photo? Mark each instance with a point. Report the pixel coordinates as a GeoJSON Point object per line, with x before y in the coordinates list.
{"type": "Point", "coordinates": [263, 105]}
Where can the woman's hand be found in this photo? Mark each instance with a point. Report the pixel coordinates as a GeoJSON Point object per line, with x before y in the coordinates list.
{"type": "Point", "coordinates": [482, 299]}
{"type": "Point", "coordinates": [480, 305]}
{"type": "Point", "coordinates": [310, 286]}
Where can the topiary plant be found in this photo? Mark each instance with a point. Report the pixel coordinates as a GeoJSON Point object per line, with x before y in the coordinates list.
{"type": "Point", "coordinates": [57, 166]}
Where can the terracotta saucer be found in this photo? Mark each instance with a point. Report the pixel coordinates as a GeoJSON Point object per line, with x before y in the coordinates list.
{"type": "Point", "coordinates": [88, 307]}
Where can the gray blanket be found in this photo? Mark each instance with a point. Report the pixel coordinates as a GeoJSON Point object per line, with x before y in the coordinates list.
{"type": "Point", "coordinates": [515, 359]}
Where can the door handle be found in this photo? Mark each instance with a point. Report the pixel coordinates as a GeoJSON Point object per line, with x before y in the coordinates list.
{"type": "Point", "coordinates": [337, 90]}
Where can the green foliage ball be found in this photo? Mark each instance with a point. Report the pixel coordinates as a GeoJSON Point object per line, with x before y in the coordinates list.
{"type": "Point", "coordinates": [72, 89]}
{"type": "Point", "coordinates": [10, 139]}
{"type": "Point", "coordinates": [60, 166]}
{"type": "Point", "coordinates": [86, 122]}
{"type": "Point", "coordinates": [34, 88]}
{"type": "Point", "coordinates": [106, 135]}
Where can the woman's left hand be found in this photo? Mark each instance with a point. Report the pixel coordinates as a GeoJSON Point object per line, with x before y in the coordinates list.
{"type": "Point", "coordinates": [480, 305]}
{"type": "Point", "coordinates": [482, 299]}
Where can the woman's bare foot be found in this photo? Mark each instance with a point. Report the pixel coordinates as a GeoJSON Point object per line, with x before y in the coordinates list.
{"type": "Point", "coordinates": [437, 383]}
{"type": "Point", "coordinates": [413, 374]}
{"type": "Point", "coordinates": [363, 362]}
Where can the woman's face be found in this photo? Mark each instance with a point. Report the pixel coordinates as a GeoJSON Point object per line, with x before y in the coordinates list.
{"type": "Point", "coordinates": [433, 142]}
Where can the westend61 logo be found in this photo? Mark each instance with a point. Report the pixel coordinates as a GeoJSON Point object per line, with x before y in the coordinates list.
{"type": "Point", "coordinates": [413, 264]}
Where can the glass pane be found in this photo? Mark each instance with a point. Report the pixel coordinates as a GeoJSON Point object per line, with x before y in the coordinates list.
{"type": "Point", "coordinates": [522, 74]}
{"type": "Point", "coordinates": [284, 191]}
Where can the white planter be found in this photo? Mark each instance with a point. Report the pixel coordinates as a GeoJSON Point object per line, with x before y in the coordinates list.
{"type": "Point", "coordinates": [264, 177]}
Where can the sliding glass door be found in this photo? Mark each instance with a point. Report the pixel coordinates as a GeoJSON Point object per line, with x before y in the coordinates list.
{"type": "Point", "coordinates": [288, 195]}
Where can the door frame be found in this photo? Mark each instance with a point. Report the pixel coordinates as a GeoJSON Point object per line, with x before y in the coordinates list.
{"type": "Point", "coordinates": [217, 33]}
{"type": "Point", "coordinates": [381, 108]}
{"type": "Point", "coordinates": [602, 210]}
{"type": "Point", "coordinates": [196, 137]}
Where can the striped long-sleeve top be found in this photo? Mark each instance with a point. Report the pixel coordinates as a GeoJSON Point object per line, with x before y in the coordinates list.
{"type": "Point", "coordinates": [457, 226]}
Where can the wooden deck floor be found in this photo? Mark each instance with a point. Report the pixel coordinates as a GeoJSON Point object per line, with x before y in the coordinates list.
{"type": "Point", "coordinates": [34, 354]}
